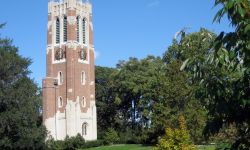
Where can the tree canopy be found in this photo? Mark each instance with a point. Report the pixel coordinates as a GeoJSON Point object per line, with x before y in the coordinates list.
{"type": "Point", "coordinates": [20, 116]}
{"type": "Point", "coordinates": [224, 76]}
{"type": "Point", "coordinates": [145, 96]}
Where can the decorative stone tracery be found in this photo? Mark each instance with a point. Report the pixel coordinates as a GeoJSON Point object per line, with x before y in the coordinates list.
{"type": "Point", "coordinates": [60, 54]}
{"type": "Point", "coordinates": [83, 55]}
{"type": "Point", "coordinates": [72, 20]}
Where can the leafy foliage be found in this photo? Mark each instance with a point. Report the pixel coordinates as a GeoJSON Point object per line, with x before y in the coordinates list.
{"type": "Point", "coordinates": [176, 139]}
{"type": "Point", "coordinates": [225, 75]}
{"type": "Point", "coordinates": [72, 143]}
{"type": "Point", "coordinates": [20, 117]}
{"type": "Point", "coordinates": [111, 137]}
{"type": "Point", "coordinates": [182, 97]}
{"type": "Point", "coordinates": [105, 100]}
{"type": "Point", "coordinates": [142, 97]}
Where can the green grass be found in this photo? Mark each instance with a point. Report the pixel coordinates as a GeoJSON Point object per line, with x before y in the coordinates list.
{"type": "Point", "coordinates": [140, 147]}
{"type": "Point", "coordinates": [123, 147]}
{"type": "Point", "coordinates": [206, 147]}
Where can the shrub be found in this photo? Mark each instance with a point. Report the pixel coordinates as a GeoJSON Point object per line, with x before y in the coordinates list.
{"type": "Point", "coordinates": [74, 142]}
{"type": "Point", "coordinates": [54, 145]}
{"type": "Point", "coordinates": [96, 143]}
{"type": "Point", "coordinates": [176, 139]}
{"type": "Point", "coordinates": [111, 136]}
{"type": "Point", "coordinates": [70, 143]}
{"type": "Point", "coordinates": [128, 137]}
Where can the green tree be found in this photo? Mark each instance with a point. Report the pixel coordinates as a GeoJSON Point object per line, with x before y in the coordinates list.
{"type": "Point", "coordinates": [138, 85]}
{"type": "Point", "coordinates": [111, 136]}
{"type": "Point", "coordinates": [225, 75]}
{"type": "Point", "coordinates": [176, 139]}
{"type": "Point", "coordinates": [105, 100]}
{"type": "Point", "coordinates": [181, 96]}
{"type": "Point", "coordinates": [20, 121]}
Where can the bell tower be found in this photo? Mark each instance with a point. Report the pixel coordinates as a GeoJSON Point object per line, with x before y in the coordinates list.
{"type": "Point", "coordinates": [69, 87]}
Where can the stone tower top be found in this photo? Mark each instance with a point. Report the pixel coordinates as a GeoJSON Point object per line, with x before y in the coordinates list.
{"type": "Point", "coordinates": [72, 4]}
{"type": "Point", "coordinates": [62, 1]}
{"type": "Point", "coordinates": [70, 1]}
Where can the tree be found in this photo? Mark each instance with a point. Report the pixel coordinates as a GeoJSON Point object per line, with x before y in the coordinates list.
{"type": "Point", "coordinates": [152, 92]}
{"type": "Point", "coordinates": [225, 74]}
{"type": "Point", "coordinates": [106, 105]}
{"type": "Point", "coordinates": [138, 86]}
{"type": "Point", "coordinates": [111, 137]}
{"type": "Point", "coordinates": [181, 97]}
{"type": "Point", "coordinates": [176, 139]}
{"type": "Point", "coordinates": [20, 122]}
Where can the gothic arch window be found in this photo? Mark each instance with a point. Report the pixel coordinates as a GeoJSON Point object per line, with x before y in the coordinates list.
{"type": "Point", "coordinates": [57, 30]}
{"type": "Point", "coordinates": [60, 77]}
{"type": "Point", "coordinates": [65, 29]}
{"type": "Point", "coordinates": [60, 102]}
{"type": "Point", "coordinates": [83, 102]}
{"type": "Point", "coordinates": [83, 78]}
{"type": "Point", "coordinates": [84, 128]}
{"type": "Point", "coordinates": [78, 29]}
{"type": "Point", "coordinates": [84, 30]}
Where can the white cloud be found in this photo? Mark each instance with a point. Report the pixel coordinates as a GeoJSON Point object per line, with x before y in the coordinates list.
{"type": "Point", "coordinates": [97, 54]}
{"type": "Point", "coordinates": [153, 3]}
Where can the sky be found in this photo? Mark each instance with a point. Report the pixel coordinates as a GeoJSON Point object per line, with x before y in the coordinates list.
{"type": "Point", "coordinates": [122, 28]}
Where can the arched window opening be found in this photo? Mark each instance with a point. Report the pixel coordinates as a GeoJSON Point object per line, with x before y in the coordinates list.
{"type": "Point", "coordinates": [83, 102]}
{"type": "Point", "coordinates": [84, 128]}
{"type": "Point", "coordinates": [78, 31]}
{"type": "Point", "coordinates": [60, 102]}
{"type": "Point", "coordinates": [84, 31]}
{"type": "Point", "coordinates": [83, 78]}
{"type": "Point", "coordinates": [60, 78]}
{"type": "Point", "coordinates": [65, 29]}
{"type": "Point", "coordinates": [57, 30]}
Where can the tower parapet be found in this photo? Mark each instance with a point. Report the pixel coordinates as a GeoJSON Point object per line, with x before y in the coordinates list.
{"type": "Point", "coordinates": [83, 1]}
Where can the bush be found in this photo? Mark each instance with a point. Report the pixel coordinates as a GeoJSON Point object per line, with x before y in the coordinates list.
{"type": "Point", "coordinates": [96, 143]}
{"type": "Point", "coordinates": [74, 142]}
{"type": "Point", "coordinates": [111, 137]}
{"type": "Point", "coordinates": [176, 139]}
{"type": "Point", "coordinates": [70, 143]}
{"type": "Point", "coordinates": [128, 137]}
{"type": "Point", "coordinates": [54, 145]}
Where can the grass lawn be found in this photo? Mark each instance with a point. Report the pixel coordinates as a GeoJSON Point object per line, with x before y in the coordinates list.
{"type": "Point", "coordinates": [204, 147]}
{"type": "Point", "coordinates": [123, 147]}
{"type": "Point", "coordinates": [139, 147]}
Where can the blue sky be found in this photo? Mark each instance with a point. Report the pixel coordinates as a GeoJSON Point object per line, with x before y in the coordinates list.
{"type": "Point", "coordinates": [122, 28]}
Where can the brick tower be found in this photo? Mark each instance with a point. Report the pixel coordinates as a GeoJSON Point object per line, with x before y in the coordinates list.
{"type": "Point", "coordinates": [69, 87]}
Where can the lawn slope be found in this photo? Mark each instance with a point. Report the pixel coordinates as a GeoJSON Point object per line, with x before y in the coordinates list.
{"type": "Point", "coordinates": [139, 147]}
{"type": "Point", "coordinates": [123, 147]}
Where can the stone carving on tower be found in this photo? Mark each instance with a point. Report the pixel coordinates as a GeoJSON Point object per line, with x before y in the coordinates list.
{"type": "Point", "coordinates": [69, 86]}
